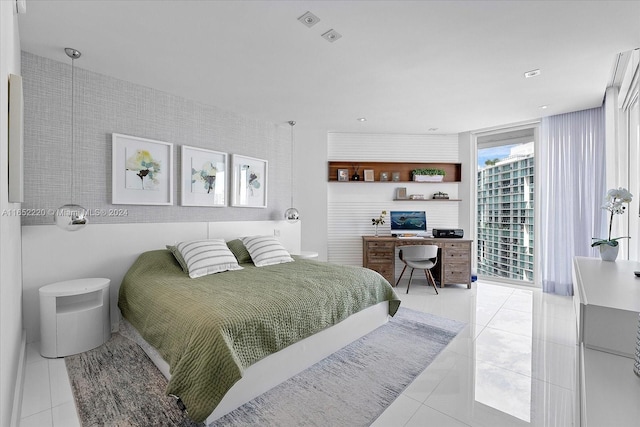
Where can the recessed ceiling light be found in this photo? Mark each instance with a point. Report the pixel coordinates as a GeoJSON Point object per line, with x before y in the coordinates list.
{"type": "Point", "coordinates": [433, 129]}
{"type": "Point", "coordinates": [532, 73]}
{"type": "Point", "coordinates": [331, 35]}
{"type": "Point", "coordinates": [361, 119]}
{"type": "Point", "coordinates": [309, 19]}
{"type": "Point", "coordinates": [543, 107]}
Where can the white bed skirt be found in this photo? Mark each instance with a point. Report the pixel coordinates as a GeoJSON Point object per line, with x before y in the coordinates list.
{"type": "Point", "coordinates": [278, 367]}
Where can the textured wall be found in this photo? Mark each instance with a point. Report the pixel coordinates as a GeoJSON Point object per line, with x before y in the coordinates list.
{"type": "Point", "coordinates": [105, 105]}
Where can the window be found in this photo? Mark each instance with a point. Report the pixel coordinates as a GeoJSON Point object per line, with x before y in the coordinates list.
{"type": "Point", "coordinates": [508, 159]}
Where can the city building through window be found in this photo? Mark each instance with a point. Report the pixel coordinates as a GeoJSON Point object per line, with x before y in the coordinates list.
{"type": "Point", "coordinates": [505, 195]}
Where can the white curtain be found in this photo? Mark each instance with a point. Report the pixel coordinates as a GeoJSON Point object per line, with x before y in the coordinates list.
{"type": "Point", "coordinates": [572, 183]}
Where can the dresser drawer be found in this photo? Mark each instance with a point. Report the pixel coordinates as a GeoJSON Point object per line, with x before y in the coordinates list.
{"type": "Point", "coordinates": [463, 246]}
{"type": "Point", "coordinates": [385, 270]}
{"type": "Point", "coordinates": [457, 255]}
{"type": "Point", "coordinates": [380, 251]}
{"type": "Point", "coordinates": [457, 273]}
{"type": "Point", "coordinates": [380, 245]}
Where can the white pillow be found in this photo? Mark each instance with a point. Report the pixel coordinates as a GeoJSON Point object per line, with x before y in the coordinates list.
{"type": "Point", "coordinates": [266, 250]}
{"type": "Point", "coordinates": [207, 257]}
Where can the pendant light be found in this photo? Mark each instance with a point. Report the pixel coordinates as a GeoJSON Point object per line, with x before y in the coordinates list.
{"type": "Point", "coordinates": [292, 215]}
{"type": "Point", "coordinates": [71, 217]}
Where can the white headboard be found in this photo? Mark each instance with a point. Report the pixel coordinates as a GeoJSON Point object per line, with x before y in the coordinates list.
{"type": "Point", "coordinates": [50, 254]}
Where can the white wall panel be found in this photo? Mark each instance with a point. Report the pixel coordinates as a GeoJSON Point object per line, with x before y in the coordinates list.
{"type": "Point", "coordinates": [11, 325]}
{"type": "Point", "coordinates": [50, 254]}
{"type": "Point", "coordinates": [393, 148]}
{"type": "Point", "coordinates": [352, 205]}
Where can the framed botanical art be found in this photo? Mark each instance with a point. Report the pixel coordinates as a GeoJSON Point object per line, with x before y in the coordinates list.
{"type": "Point", "coordinates": [203, 177]}
{"type": "Point", "coordinates": [249, 182]}
{"type": "Point", "coordinates": [142, 171]}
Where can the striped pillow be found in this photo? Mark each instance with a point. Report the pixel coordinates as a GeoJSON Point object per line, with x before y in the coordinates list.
{"type": "Point", "coordinates": [207, 257]}
{"type": "Point", "coordinates": [266, 250]}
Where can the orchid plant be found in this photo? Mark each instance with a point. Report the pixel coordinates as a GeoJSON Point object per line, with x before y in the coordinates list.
{"type": "Point", "coordinates": [614, 203]}
{"type": "Point", "coordinates": [380, 220]}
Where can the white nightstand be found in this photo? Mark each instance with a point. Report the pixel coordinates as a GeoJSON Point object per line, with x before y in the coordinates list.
{"type": "Point", "coordinates": [74, 316]}
{"type": "Point", "coordinates": [307, 254]}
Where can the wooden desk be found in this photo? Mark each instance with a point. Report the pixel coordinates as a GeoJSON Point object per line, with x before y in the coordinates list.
{"type": "Point", "coordinates": [454, 257]}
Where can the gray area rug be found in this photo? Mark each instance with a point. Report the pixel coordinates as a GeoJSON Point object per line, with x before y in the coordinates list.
{"type": "Point", "coordinates": [117, 385]}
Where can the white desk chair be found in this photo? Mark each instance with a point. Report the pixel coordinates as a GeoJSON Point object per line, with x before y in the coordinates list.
{"type": "Point", "coordinates": [423, 257]}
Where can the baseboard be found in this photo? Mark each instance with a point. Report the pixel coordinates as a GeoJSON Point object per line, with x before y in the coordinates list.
{"type": "Point", "coordinates": [16, 411]}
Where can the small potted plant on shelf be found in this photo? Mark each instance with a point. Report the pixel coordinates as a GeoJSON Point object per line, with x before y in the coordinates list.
{"type": "Point", "coordinates": [428, 175]}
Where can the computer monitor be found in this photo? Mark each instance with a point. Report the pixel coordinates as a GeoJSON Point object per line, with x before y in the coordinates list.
{"type": "Point", "coordinates": [408, 222]}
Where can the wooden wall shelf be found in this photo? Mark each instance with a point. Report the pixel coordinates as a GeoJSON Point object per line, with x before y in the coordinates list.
{"type": "Point", "coordinates": [453, 170]}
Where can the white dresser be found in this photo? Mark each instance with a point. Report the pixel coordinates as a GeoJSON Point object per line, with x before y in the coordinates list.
{"type": "Point", "coordinates": [607, 302]}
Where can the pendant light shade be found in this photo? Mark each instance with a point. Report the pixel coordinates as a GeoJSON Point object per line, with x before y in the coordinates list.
{"type": "Point", "coordinates": [71, 217]}
{"type": "Point", "coordinates": [292, 215]}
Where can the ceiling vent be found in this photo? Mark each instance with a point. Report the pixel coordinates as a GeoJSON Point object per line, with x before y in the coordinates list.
{"type": "Point", "coordinates": [331, 35]}
{"type": "Point", "coordinates": [309, 19]}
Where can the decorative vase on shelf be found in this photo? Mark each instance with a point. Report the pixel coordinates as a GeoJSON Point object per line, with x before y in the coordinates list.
{"type": "Point", "coordinates": [609, 253]}
{"type": "Point", "coordinates": [377, 221]}
{"type": "Point", "coordinates": [428, 178]}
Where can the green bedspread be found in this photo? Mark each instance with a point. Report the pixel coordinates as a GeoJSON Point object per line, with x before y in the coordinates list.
{"type": "Point", "coordinates": [212, 328]}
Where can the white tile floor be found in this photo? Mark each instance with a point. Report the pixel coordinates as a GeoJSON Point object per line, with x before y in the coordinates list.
{"type": "Point", "coordinates": [47, 399]}
{"type": "Point", "coordinates": [512, 365]}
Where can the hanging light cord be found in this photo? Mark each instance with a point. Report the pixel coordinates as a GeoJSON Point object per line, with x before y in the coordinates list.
{"type": "Point", "coordinates": [73, 158]}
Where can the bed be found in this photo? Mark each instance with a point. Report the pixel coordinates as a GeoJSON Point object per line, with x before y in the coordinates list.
{"type": "Point", "coordinates": [206, 333]}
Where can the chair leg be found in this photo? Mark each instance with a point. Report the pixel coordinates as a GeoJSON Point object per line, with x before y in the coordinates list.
{"type": "Point", "coordinates": [433, 281]}
{"type": "Point", "coordinates": [410, 276]}
{"type": "Point", "coordinates": [405, 267]}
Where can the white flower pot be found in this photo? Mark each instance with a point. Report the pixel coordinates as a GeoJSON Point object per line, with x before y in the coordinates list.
{"type": "Point", "coordinates": [608, 253]}
{"type": "Point", "coordinates": [428, 178]}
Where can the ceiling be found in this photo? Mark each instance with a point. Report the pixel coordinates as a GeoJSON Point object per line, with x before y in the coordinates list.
{"type": "Point", "coordinates": [407, 66]}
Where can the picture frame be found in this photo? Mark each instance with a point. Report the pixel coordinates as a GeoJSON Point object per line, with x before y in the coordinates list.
{"type": "Point", "coordinates": [249, 181]}
{"type": "Point", "coordinates": [395, 176]}
{"type": "Point", "coordinates": [142, 171]}
{"type": "Point", "coordinates": [368, 175]}
{"type": "Point", "coordinates": [401, 193]}
{"type": "Point", "coordinates": [384, 176]}
{"type": "Point", "coordinates": [204, 177]}
{"type": "Point", "coordinates": [343, 175]}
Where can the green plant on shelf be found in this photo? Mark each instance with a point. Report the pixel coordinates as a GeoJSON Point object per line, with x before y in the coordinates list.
{"type": "Point", "coordinates": [428, 171]}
